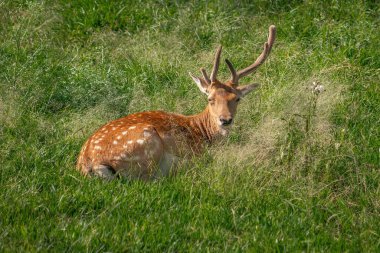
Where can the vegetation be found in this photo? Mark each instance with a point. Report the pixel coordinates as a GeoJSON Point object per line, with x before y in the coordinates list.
{"type": "Point", "coordinates": [299, 172]}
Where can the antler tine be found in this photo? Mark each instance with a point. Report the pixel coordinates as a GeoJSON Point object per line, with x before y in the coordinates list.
{"type": "Point", "coordinates": [205, 76]}
{"type": "Point", "coordinates": [216, 64]}
{"type": "Point", "coordinates": [234, 77]}
{"type": "Point", "coordinates": [260, 60]}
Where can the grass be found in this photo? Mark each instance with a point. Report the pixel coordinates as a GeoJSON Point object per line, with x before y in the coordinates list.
{"type": "Point", "coordinates": [67, 67]}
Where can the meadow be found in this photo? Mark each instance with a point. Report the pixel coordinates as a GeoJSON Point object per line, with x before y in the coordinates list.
{"type": "Point", "coordinates": [298, 172]}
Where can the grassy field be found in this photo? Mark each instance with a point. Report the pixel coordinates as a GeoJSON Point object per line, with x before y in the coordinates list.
{"type": "Point", "coordinates": [299, 172]}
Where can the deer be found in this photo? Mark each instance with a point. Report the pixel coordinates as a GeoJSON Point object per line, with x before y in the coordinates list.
{"type": "Point", "coordinates": [150, 144]}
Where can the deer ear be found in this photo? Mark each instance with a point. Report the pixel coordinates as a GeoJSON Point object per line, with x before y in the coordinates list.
{"type": "Point", "coordinates": [201, 83]}
{"type": "Point", "coordinates": [245, 89]}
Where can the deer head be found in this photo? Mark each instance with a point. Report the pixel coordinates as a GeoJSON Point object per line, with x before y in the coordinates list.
{"type": "Point", "coordinates": [223, 98]}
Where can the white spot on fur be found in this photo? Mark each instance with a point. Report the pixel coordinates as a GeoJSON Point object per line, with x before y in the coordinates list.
{"type": "Point", "coordinates": [129, 142]}
{"type": "Point", "coordinates": [119, 137]}
{"type": "Point", "coordinates": [97, 141]}
{"type": "Point", "coordinates": [124, 133]}
{"type": "Point", "coordinates": [113, 128]}
{"type": "Point", "coordinates": [117, 158]}
{"type": "Point", "coordinates": [140, 141]}
{"type": "Point", "coordinates": [132, 127]}
{"type": "Point", "coordinates": [98, 147]}
{"type": "Point", "coordinates": [147, 134]}
{"type": "Point", "coordinates": [115, 142]}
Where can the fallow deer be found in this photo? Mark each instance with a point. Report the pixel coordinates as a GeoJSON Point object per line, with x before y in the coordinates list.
{"type": "Point", "coordinates": [148, 144]}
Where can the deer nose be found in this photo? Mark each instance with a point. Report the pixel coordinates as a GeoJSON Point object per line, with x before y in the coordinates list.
{"type": "Point", "coordinates": [225, 121]}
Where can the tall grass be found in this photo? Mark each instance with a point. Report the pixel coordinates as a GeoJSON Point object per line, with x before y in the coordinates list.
{"type": "Point", "coordinates": [299, 172]}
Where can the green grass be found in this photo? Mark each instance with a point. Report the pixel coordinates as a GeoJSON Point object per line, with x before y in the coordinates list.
{"type": "Point", "coordinates": [67, 67]}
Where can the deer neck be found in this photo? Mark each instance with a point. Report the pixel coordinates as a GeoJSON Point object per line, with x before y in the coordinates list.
{"type": "Point", "coordinates": [204, 125]}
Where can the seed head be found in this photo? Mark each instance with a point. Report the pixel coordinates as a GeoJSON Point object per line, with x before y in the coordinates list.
{"type": "Point", "coordinates": [317, 88]}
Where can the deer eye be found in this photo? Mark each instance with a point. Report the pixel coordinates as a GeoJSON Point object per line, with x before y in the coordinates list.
{"type": "Point", "coordinates": [211, 100]}
{"type": "Point", "coordinates": [238, 99]}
